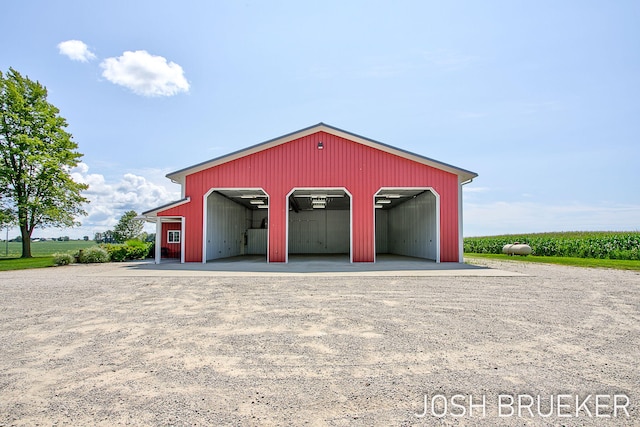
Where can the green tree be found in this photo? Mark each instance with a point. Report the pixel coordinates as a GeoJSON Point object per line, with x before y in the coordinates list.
{"type": "Point", "coordinates": [106, 237]}
{"type": "Point", "coordinates": [128, 227]}
{"type": "Point", "coordinates": [36, 156]}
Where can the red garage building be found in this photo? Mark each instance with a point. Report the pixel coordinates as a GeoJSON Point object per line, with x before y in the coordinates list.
{"type": "Point", "coordinates": [319, 190]}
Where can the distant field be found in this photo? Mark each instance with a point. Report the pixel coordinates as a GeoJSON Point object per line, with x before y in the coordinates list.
{"type": "Point", "coordinates": [40, 249]}
{"type": "Point", "coordinates": [578, 244]}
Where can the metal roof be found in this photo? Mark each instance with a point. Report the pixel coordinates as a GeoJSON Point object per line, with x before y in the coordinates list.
{"type": "Point", "coordinates": [166, 206]}
{"type": "Point", "coordinates": [178, 176]}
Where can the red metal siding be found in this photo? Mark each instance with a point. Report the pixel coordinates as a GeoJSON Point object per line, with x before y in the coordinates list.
{"type": "Point", "coordinates": [361, 169]}
{"type": "Point", "coordinates": [173, 249]}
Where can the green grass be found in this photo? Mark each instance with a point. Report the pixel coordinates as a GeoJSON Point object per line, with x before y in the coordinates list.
{"type": "Point", "coordinates": [41, 252]}
{"type": "Point", "coordinates": [25, 263]}
{"type": "Point", "coordinates": [40, 249]}
{"type": "Point", "coordinates": [571, 261]}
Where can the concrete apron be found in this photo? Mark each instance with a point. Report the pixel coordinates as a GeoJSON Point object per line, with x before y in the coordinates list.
{"type": "Point", "coordinates": [306, 265]}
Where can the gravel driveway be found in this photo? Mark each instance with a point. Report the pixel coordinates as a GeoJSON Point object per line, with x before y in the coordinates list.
{"type": "Point", "coordinates": [109, 345]}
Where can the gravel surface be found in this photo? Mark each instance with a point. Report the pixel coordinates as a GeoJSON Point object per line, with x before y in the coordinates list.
{"type": "Point", "coordinates": [81, 347]}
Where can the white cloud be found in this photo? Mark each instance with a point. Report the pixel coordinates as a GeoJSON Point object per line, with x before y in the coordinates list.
{"type": "Point", "coordinates": [76, 50]}
{"type": "Point", "coordinates": [145, 74]}
{"type": "Point", "coordinates": [109, 200]}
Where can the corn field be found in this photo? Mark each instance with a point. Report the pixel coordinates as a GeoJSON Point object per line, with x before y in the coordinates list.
{"type": "Point", "coordinates": [609, 245]}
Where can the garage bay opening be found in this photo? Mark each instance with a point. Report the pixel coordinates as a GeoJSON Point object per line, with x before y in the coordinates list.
{"type": "Point", "coordinates": [319, 223]}
{"type": "Point", "coordinates": [236, 223]}
{"type": "Point", "coordinates": [406, 222]}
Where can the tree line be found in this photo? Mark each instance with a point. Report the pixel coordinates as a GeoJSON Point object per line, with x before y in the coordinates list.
{"type": "Point", "coordinates": [127, 228]}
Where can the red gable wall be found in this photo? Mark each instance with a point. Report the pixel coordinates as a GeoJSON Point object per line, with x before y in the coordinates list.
{"type": "Point", "coordinates": [342, 163]}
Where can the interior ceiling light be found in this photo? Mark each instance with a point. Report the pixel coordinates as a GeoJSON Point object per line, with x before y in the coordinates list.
{"type": "Point", "coordinates": [392, 196]}
{"type": "Point", "coordinates": [319, 206]}
{"type": "Point", "coordinates": [326, 196]}
{"type": "Point", "coordinates": [377, 206]}
{"type": "Point", "coordinates": [256, 202]}
{"type": "Point", "coordinates": [263, 206]}
{"type": "Point", "coordinates": [252, 196]}
{"type": "Point", "coordinates": [383, 201]}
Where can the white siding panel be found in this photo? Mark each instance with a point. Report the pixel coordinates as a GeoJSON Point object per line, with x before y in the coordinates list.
{"type": "Point", "coordinates": [226, 225]}
{"type": "Point", "coordinates": [412, 227]}
{"type": "Point", "coordinates": [319, 232]}
{"type": "Point", "coordinates": [257, 241]}
{"type": "Point", "coordinates": [382, 231]}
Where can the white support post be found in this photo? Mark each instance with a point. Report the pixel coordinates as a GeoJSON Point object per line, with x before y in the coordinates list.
{"type": "Point", "coordinates": [182, 240]}
{"type": "Point", "coordinates": [158, 254]}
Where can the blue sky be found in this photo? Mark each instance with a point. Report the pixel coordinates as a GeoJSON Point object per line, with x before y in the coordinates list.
{"type": "Point", "coordinates": [541, 99]}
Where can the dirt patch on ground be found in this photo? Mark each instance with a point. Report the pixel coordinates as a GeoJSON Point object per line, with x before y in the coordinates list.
{"type": "Point", "coordinates": [78, 347]}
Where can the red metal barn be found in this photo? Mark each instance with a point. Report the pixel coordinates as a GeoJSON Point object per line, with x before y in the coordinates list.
{"type": "Point", "coordinates": [320, 190]}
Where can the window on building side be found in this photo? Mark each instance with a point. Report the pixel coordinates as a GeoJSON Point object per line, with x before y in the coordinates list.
{"type": "Point", "coordinates": [174, 236]}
